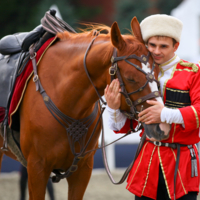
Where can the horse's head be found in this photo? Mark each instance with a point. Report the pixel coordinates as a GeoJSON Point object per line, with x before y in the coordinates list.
{"type": "Point", "coordinates": [135, 69]}
{"type": "Point", "coordinates": [130, 60]}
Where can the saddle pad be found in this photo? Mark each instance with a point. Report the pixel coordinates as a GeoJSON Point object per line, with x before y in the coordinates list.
{"type": "Point", "coordinates": [21, 84]}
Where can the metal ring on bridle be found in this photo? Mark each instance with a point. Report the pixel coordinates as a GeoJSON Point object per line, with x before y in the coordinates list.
{"type": "Point", "coordinates": [35, 54]}
{"type": "Point", "coordinates": [35, 78]}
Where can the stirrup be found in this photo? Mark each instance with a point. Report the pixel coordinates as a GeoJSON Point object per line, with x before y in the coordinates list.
{"type": "Point", "coordinates": [5, 142]}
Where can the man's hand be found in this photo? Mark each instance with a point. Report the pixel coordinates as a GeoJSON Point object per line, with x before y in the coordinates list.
{"type": "Point", "coordinates": [112, 95]}
{"type": "Point", "coordinates": [151, 115]}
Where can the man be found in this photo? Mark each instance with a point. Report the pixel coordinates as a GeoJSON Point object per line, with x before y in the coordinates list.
{"type": "Point", "coordinates": [152, 175]}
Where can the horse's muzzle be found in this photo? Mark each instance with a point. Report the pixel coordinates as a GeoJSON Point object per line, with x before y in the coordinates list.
{"type": "Point", "coordinates": [154, 131]}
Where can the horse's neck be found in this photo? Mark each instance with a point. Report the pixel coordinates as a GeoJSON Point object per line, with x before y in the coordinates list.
{"type": "Point", "coordinates": [71, 80]}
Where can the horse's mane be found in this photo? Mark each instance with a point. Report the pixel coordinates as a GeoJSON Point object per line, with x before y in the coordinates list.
{"type": "Point", "coordinates": [91, 29]}
{"type": "Point", "coordinates": [103, 29]}
{"type": "Point", "coordinates": [95, 26]}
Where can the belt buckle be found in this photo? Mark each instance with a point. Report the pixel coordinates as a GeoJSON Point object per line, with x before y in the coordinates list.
{"type": "Point", "coordinates": [157, 143]}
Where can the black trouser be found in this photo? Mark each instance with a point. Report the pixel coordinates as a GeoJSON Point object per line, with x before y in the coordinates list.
{"type": "Point", "coordinates": [162, 191]}
{"type": "Point", "coordinates": [23, 183]}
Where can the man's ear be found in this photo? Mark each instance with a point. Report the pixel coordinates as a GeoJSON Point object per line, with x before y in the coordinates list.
{"type": "Point", "coordinates": [176, 46]}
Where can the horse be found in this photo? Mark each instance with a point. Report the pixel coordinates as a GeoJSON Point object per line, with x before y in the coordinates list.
{"type": "Point", "coordinates": [43, 140]}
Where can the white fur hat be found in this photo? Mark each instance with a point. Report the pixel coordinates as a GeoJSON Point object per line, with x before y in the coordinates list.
{"type": "Point", "coordinates": [161, 25]}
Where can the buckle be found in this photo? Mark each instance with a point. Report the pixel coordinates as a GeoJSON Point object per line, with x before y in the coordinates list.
{"type": "Point", "coordinates": [157, 143]}
{"type": "Point", "coordinates": [73, 168]}
{"type": "Point", "coordinates": [32, 57]}
{"type": "Point", "coordinates": [35, 78]}
{"type": "Point", "coordinates": [128, 102]}
{"type": "Point", "coordinates": [112, 59]}
{"type": "Point", "coordinates": [112, 71]}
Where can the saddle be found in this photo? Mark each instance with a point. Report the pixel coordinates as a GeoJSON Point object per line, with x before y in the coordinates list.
{"type": "Point", "coordinates": [14, 55]}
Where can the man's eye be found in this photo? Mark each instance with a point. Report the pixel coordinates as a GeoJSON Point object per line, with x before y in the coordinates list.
{"type": "Point", "coordinates": [152, 45]}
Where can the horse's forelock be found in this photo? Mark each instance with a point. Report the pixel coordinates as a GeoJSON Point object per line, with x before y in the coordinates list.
{"type": "Point", "coordinates": [133, 44]}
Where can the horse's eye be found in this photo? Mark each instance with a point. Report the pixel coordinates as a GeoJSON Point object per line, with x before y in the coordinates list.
{"type": "Point", "coordinates": [130, 80]}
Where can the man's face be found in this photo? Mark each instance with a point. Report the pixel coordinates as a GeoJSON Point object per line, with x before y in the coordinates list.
{"type": "Point", "coordinates": [161, 48]}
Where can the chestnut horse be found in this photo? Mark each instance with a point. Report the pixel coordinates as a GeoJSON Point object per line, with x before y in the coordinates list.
{"type": "Point", "coordinates": [44, 142]}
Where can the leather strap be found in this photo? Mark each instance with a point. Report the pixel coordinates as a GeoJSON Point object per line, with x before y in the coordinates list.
{"type": "Point", "coordinates": [53, 24]}
{"type": "Point", "coordinates": [176, 168]}
{"type": "Point", "coordinates": [86, 71]}
{"type": "Point", "coordinates": [57, 114]}
{"type": "Point", "coordinates": [152, 95]}
{"type": "Point", "coordinates": [142, 140]}
{"type": "Point", "coordinates": [171, 145]}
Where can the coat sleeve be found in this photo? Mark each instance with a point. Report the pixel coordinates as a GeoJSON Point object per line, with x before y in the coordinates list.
{"type": "Point", "coordinates": [191, 114]}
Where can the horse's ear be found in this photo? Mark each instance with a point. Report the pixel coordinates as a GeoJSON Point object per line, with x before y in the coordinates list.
{"type": "Point", "coordinates": [135, 26]}
{"type": "Point", "coordinates": [116, 37]}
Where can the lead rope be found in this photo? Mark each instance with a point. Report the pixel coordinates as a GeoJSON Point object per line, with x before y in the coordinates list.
{"type": "Point", "coordinates": [142, 140]}
{"type": "Point", "coordinates": [140, 145]}
{"type": "Point", "coordinates": [85, 67]}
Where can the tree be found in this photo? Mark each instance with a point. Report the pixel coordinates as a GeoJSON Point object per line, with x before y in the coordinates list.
{"type": "Point", "coordinates": [24, 16]}
{"type": "Point", "coordinates": [16, 15]}
{"type": "Point", "coordinates": [127, 9]}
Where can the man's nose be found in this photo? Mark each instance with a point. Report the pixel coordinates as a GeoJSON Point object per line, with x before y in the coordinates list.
{"type": "Point", "coordinates": [157, 50]}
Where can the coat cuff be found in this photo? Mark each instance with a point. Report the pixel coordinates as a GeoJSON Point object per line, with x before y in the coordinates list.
{"type": "Point", "coordinates": [127, 126]}
{"type": "Point", "coordinates": [190, 118]}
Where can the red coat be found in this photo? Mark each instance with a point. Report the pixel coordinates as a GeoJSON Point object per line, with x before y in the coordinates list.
{"type": "Point", "coordinates": [182, 91]}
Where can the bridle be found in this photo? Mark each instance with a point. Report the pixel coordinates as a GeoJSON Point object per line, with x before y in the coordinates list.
{"type": "Point", "coordinates": [114, 71]}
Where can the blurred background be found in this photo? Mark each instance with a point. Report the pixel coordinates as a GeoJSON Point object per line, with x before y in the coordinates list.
{"type": "Point", "coordinates": [24, 16]}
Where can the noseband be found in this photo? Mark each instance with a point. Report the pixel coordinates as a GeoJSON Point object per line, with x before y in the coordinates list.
{"type": "Point", "coordinates": [114, 70]}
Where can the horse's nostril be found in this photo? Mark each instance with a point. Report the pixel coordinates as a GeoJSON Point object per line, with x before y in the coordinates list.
{"type": "Point", "coordinates": [160, 132]}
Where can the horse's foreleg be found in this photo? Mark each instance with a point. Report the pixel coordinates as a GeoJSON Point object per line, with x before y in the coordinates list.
{"type": "Point", "coordinates": [79, 180]}
{"type": "Point", "coordinates": [38, 175]}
